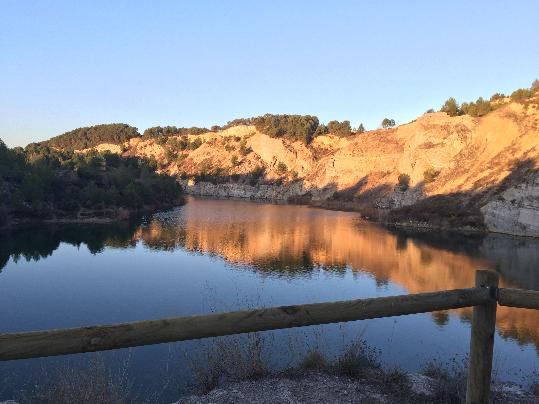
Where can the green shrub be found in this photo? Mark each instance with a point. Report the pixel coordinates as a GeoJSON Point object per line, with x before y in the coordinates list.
{"type": "Point", "coordinates": [170, 156]}
{"type": "Point", "coordinates": [404, 181]}
{"type": "Point", "coordinates": [478, 108]}
{"type": "Point", "coordinates": [357, 360]}
{"type": "Point", "coordinates": [430, 174]}
{"type": "Point", "coordinates": [522, 94]}
{"type": "Point", "coordinates": [244, 150]}
{"type": "Point", "coordinates": [282, 168]}
{"type": "Point", "coordinates": [293, 127]}
{"type": "Point", "coordinates": [451, 107]}
{"type": "Point", "coordinates": [341, 129]}
{"type": "Point", "coordinates": [161, 140]}
{"type": "Point", "coordinates": [255, 175]}
{"type": "Point", "coordinates": [314, 360]}
{"type": "Point", "coordinates": [195, 144]}
{"type": "Point", "coordinates": [321, 130]}
{"type": "Point", "coordinates": [388, 123]}
{"type": "Point", "coordinates": [496, 97]}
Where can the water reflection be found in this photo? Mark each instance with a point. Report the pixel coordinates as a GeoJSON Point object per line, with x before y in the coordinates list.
{"type": "Point", "coordinates": [293, 241]}
{"type": "Point", "coordinates": [36, 243]}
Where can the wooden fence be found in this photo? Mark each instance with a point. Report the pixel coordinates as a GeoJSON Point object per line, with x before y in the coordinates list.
{"type": "Point", "coordinates": [484, 298]}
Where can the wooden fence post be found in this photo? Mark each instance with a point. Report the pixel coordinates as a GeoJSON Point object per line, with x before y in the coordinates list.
{"type": "Point", "coordinates": [482, 341]}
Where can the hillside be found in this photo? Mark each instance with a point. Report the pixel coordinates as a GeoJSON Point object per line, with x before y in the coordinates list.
{"type": "Point", "coordinates": [466, 172]}
{"type": "Point", "coordinates": [44, 184]}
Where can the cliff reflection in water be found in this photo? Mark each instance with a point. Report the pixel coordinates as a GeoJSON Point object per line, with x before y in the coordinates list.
{"type": "Point", "coordinates": [291, 241]}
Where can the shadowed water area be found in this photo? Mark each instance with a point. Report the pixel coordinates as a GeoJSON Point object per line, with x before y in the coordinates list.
{"type": "Point", "coordinates": [215, 255]}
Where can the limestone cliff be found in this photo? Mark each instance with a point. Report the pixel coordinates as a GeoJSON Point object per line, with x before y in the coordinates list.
{"type": "Point", "coordinates": [475, 173]}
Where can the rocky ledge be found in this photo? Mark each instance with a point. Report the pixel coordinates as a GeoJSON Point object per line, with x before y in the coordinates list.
{"type": "Point", "coordinates": [322, 387]}
{"type": "Point", "coordinates": [514, 211]}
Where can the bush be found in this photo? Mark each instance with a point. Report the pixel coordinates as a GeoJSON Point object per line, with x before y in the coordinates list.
{"type": "Point", "coordinates": [360, 128]}
{"type": "Point", "coordinates": [478, 108]}
{"type": "Point", "coordinates": [314, 360]}
{"type": "Point", "coordinates": [282, 168]}
{"type": "Point", "coordinates": [256, 174]}
{"type": "Point", "coordinates": [357, 360]}
{"type": "Point", "coordinates": [159, 131]}
{"type": "Point", "coordinates": [430, 174]}
{"type": "Point", "coordinates": [321, 130]}
{"type": "Point", "coordinates": [404, 181]}
{"type": "Point", "coordinates": [341, 129]}
{"type": "Point", "coordinates": [451, 107]}
{"type": "Point", "coordinates": [195, 144]}
{"type": "Point", "coordinates": [522, 94]}
{"type": "Point", "coordinates": [535, 85]}
{"type": "Point", "coordinates": [388, 123]}
{"type": "Point", "coordinates": [294, 127]}
{"type": "Point", "coordinates": [244, 150]}
{"type": "Point", "coordinates": [496, 97]}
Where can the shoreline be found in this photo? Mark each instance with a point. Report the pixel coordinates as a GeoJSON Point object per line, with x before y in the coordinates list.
{"type": "Point", "coordinates": [322, 385]}
{"type": "Point", "coordinates": [378, 216]}
{"type": "Point", "coordinates": [103, 217]}
{"type": "Point", "coordinates": [420, 227]}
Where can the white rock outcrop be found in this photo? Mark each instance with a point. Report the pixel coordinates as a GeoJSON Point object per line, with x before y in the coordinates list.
{"type": "Point", "coordinates": [516, 211]}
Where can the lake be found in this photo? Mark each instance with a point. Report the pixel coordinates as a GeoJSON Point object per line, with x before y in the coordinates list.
{"type": "Point", "coordinates": [220, 255]}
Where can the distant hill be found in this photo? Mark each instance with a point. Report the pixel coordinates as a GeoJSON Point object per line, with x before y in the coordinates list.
{"type": "Point", "coordinates": [90, 136]}
{"type": "Point", "coordinates": [473, 166]}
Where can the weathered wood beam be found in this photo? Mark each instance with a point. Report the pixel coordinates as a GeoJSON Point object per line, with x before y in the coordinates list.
{"type": "Point", "coordinates": [100, 338]}
{"type": "Point", "coordinates": [526, 299]}
{"type": "Point", "coordinates": [482, 341]}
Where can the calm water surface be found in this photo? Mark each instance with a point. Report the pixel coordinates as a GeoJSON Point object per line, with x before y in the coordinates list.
{"type": "Point", "coordinates": [213, 255]}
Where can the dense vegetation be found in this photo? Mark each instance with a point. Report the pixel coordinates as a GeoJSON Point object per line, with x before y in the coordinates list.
{"type": "Point", "coordinates": [84, 138]}
{"type": "Point", "coordinates": [340, 128]}
{"type": "Point", "coordinates": [159, 131]}
{"type": "Point", "coordinates": [42, 182]}
{"type": "Point", "coordinates": [303, 128]}
{"type": "Point", "coordinates": [293, 127]}
{"type": "Point", "coordinates": [482, 107]}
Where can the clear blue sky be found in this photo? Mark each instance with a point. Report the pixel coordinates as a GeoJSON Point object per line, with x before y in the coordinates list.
{"type": "Point", "coordinates": [65, 64]}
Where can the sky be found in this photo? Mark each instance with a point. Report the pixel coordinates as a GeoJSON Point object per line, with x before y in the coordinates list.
{"type": "Point", "coordinates": [68, 64]}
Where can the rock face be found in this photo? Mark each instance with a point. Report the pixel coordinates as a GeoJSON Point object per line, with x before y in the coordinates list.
{"type": "Point", "coordinates": [263, 192]}
{"type": "Point", "coordinates": [515, 211]}
{"type": "Point", "coordinates": [487, 164]}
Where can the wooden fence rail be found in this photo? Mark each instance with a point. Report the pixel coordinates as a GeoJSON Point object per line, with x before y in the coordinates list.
{"type": "Point", "coordinates": [483, 297]}
{"type": "Point", "coordinates": [100, 338]}
{"type": "Point", "coordinates": [525, 299]}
